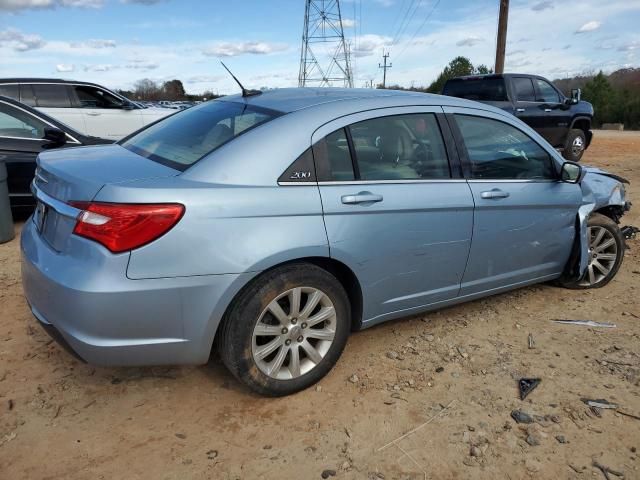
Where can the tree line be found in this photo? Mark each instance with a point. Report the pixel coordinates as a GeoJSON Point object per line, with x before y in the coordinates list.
{"type": "Point", "coordinates": [172, 90]}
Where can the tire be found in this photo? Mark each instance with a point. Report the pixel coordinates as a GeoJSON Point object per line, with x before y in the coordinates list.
{"type": "Point", "coordinates": [574, 145]}
{"type": "Point", "coordinates": [593, 276]}
{"type": "Point", "coordinates": [253, 343]}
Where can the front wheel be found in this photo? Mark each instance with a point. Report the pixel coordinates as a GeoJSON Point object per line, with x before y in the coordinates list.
{"type": "Point", "coordinates": [286, 330]}
{"type": "Point", "coordinates": [606, 252]}
{"type": "Point", "coordinates": [575, 145]}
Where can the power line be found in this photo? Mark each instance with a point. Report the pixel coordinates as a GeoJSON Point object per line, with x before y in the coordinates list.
{"type": "Point", "coordinates": [408, 20]}
{"type": "Point", "coordinates": [424, 22]}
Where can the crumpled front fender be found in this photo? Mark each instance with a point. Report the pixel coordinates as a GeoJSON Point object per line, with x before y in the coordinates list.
{"type": "Point", "coordinates": [600, 189]}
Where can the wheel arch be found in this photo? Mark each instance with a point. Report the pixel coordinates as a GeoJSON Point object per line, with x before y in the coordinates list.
{"type": "Point", "coordinates": [338, 269]}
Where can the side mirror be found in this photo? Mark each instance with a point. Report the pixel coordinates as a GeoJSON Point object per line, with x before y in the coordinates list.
{"type": "Point", "coordinates": [55, 137]}
{"type": "Point", "coordinates": [128, 106]}
{"type": "Point", "coordinates": [571, 172]}
{"type": "Point", "coordinates": [576, 95]}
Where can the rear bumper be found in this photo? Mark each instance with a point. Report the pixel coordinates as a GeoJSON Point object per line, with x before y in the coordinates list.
{"type": "Point", "coordinates": [107, 319]}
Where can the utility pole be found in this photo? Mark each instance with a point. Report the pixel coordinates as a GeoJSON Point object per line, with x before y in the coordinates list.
{"type": "Point", "coordinates": [501, 44]}
{"type": "Point", "coordinates": [323, 36]}
{"type": "Point", "coordinates": [384, 68]}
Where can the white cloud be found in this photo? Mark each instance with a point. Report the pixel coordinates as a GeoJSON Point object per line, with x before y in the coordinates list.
{"type": "Point", "coordinates": [94, 44]}
{"type": "Point", "coordinates": [348, 23]}
{"type": "Point", "coordinates": [469, 41]}
{"type": "Point", "coordinates": [62, 67]}
{"type": "Point", "coordinates": [540, 6]}
{"type": "Point", "coordinates": [230, 49]}
{"type": "Point", "coordinates": [589, 27]}
{"type": "Point", "coordinates": [370, 44]}
{"type": "Point", "coordinates": [141, 65]}
{"type": "Point", "coordinates": [17, 5]}
{"type": "Point", "coordinates": [204, 78]}
{"type": "Point", "coordinates": [20, 42]}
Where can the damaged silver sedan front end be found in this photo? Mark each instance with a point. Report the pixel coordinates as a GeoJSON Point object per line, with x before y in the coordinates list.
{"type": "Point", "coordinates": [602, 192]}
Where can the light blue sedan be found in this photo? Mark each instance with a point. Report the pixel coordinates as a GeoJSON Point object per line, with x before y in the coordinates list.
{"type": "Point", "coordinates": [275, 224]}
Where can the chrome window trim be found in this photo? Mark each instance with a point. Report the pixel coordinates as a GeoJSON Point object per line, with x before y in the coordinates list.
{"type": "Point", "coordinates": [514, 180]}
{"type": "Point", "coordinates": [65, 83]}
{"type": "Point", "coordinates": [42, 120]}
{"type": "Point", "coordinates": [375, 182]}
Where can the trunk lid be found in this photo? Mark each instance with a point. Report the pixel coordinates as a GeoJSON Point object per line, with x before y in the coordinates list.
{"type": "Point", "coordinates": [78, 174]}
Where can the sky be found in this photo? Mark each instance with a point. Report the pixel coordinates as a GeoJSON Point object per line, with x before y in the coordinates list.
{"type": "Point", "coordinates": [117, 42]}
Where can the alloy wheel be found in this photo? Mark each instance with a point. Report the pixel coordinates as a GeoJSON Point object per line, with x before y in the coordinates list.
{"type": "Point", "coordinates": [603, 253]}
{"type": "Point", "coordinates": [577, 146]}
{"type": "Point", "coordinates": [294, 333]}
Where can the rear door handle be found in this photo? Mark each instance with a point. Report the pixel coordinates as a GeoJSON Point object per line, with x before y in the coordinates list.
{"type": "Point", "coordinates": [519, 110]}
{"type": "Point", "coordinates": [361, 197]}
{"type": "Point", "coordinates": [93, 114]}
{"type": "Point", "coordinates": [495, 193]}
{"type": "Point", "coordinates": [547, 109]}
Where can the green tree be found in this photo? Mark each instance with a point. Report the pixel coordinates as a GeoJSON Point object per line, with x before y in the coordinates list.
{"type": "Point", "coordinates": [173, 90]}
{"type": "Point", "coordinates": [605, 100]}
{"type": "Point", "coordinates": [457, 67]}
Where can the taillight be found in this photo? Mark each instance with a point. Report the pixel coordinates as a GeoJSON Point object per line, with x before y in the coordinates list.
{"type": "Point", "coordinates": [123, 226]}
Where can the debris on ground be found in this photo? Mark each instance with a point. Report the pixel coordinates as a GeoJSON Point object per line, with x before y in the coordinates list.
{"type": "Point", "coordinates": [521, 417]}
{"type": "Point", "coordinates": [606, 471]}
{"type": "Point", "coordinates": [629, 231]}
{"type": "Point", "coordinates": [586, 323]}
{"type": "Point", "coordinates": [531, 342]}
{"type": "Point", "coordinates": [527, 385]}
{"type": "Point", "coordinates": [328, 473]}
{"type": "Point", "coordinates": [599, 403]}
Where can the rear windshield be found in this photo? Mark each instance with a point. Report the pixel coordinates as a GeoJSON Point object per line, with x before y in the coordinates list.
{"type": "Point", "coordinates": [489, 89]}
{"type": "Point", "coordinates": [182, 139]}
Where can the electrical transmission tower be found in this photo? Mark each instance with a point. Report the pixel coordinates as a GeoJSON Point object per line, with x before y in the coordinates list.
{"type": "Point", "coordinates": [323, 41]}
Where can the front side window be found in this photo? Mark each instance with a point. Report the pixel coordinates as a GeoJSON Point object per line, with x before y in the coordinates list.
{"type": "Point", "coordinates": [400, 147]}
{"type": "Point", "coordinates": [19, 124]}
{"type": "Point", "coordinates": [51, 95]}
{"type": "Point", "coordinates": [497, 150]}
{"type": "Point", "coordinates": [546, 93]}
{"type": "Point", "coordinates": [182, 139]}
{"type": "Point", "coordinates": [524, 89]}
{"type": "Point", "coordinates": [92, 97]}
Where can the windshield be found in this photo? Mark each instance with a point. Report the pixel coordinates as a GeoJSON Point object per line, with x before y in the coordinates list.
{"type": "Point", "coordinates": [182, 139]}
{"type": "Point", "coordinates": [488, 89]}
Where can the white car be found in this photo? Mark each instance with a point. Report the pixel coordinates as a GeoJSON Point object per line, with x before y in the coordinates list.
{"type": "Point", "coordinates": [87, 107]}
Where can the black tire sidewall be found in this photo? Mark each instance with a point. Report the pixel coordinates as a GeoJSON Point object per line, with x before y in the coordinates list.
{"type": "Point", "coordinates": [568, 152]}
{"type": "Point", "coordinates": [234, 343]}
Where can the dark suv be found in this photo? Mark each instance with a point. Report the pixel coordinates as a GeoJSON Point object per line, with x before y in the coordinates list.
{"type": "Point", "coordinates": [564, 122]}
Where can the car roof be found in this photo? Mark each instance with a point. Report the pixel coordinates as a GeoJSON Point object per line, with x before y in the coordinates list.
{"type": "Point", "coordinates": [27, 80]}
{"type": "Point", "coordinates": [293, 99]}
{"type": "Point", "coordinates": [496, 75]}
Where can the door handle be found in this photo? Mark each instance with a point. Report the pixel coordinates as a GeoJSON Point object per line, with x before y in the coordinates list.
{"type": "Point", "coordinates": [519, 110]}
{"type": "Point", "coordinates": [547, 109]}
{"type": "Point", "coordinates": [93, 114]}
{"type": "Point", "coordinates": [495, 193]}
{"type": "Point", "coordinates": [361, 197]}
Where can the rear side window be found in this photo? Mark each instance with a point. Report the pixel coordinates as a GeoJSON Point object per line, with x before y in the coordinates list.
{"type": "Point", "coordinates": [27, 96]}
{"type": "Point", "coordinates": [400, 147]}
{"type": "Point", "coordinates": [524, 89]}
{"type": "Point", "coordinates": [182, 139]}
{"type": "Point", "coordinates": [11, 91]}
{"type": "Point", "coordinates": [333, 157]}
{"type": "Point", "coordinates": [488, 89]}
{"type": "Point", "coordinates": [52, 96]}
{"type": "Point", "coordinates": [497, 150]}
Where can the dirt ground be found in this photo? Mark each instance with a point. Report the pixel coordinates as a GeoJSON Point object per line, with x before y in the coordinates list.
{"type": "Point", "coordinates": [450, 375]}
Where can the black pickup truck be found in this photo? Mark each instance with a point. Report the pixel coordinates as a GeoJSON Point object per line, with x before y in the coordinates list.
{"type": "Point", "coordinates": [564, 122]}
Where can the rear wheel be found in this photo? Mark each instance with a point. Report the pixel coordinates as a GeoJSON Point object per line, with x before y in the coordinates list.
{"type": "Point", "coordinates": [575, 144]}
{"type": "Point", "coordinates": [286, 330]}
{"type": "Point", "coordinates": [606, 252]}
